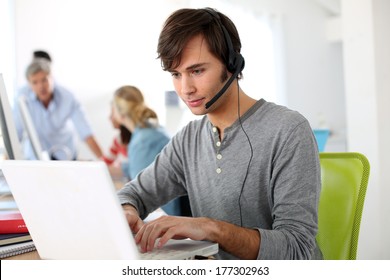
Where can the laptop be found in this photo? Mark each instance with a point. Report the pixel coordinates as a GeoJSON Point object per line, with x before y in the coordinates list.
{"type": "Point", "coordinates": [72, 212]}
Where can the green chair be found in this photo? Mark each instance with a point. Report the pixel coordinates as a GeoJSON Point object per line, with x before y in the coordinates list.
{"type": "Point", "coordinates": [344, 179]}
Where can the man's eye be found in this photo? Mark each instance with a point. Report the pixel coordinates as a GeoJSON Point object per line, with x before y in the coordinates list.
{"type": "Point", "coordinates": [197, 71]}
{"type": "Point", "coordinates": [175, 75]}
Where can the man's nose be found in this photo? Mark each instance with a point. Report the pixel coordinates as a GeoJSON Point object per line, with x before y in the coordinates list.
{"type": "Point", "coordinates": [187, 85]}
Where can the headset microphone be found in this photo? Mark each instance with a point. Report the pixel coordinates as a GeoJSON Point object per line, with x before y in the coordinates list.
{"type": "Point", "coordinates": [235, 62]}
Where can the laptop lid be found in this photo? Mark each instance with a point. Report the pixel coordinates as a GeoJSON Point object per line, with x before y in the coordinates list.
{"type": "Point", "coordinates": [72, 212]}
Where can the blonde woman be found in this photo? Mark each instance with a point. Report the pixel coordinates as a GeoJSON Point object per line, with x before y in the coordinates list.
{"type": "Point", "coordinates": [148, 137]}
{"type": "Point", "coordinates": [117, 153]}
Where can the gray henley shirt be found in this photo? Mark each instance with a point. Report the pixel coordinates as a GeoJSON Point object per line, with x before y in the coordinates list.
{"type": "Point", "coordinates": [272, 179]}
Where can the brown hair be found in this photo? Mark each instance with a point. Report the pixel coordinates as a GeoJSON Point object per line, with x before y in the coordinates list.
{"type": "Point", "coordinates": [130, 102]}
{"type": "Point", "coordinates": [184, 24]}
{"type": "Point", "coordinates": [125, 135]}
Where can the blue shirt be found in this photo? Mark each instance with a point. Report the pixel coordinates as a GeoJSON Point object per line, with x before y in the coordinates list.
{"type": "Point", "coordinates": [146, 143]}
{"type": "Point", "coordinates": [57, 125]}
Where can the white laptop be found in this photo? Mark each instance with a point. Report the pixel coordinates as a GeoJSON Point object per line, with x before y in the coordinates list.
{"type": "Point", "coordinates": [72, 212]}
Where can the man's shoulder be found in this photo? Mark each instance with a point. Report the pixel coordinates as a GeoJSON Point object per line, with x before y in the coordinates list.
{"type": "Point", "coordinates": [273, 119]}
{"type": "Point", "coordinates": [280, 114]}
{"type": "Point", "coordinates": [24, 91]}
{"type": "Point", "coordinates": [62, 90]}
{"type": "Point", "coordinates": [27, 93]}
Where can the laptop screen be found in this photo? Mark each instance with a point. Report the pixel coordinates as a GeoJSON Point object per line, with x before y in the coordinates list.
{"type": "Point", "coordinates": [72, 211]}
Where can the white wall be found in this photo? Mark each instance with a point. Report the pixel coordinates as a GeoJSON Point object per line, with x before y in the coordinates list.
{"type": "Point", "coordinates": [314, 67]}
{"type": "Point", "coordinates": [366, 44]}
{"type": "Point", "coordinates": [95, 50]}
{"type": "Point", "coordinates": [7, 46]}
{"type": "Point", "coordinates": [96, 46]}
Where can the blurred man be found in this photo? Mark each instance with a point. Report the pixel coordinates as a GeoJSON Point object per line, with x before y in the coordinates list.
{"type": "Point", "coordinates": [57, 115]}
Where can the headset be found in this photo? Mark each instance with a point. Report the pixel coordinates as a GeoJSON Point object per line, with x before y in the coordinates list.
{"type": "Point", "coordinates": [235, 62]}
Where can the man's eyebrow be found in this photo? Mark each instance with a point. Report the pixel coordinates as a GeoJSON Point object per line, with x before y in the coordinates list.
{"type": "Point", "coordinates": [191, 67]}
{"type": "Point", "coordinates": [195, 66]}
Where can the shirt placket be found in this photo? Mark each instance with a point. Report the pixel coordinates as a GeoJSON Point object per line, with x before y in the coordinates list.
{"type": "Point", "coordinates": [218, 145]}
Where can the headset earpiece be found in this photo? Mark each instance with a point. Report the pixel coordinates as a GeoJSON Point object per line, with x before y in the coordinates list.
{"type": "Point", "coordinates": [235, 61]}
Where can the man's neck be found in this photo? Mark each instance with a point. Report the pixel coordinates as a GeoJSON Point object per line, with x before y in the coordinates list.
{"type": "Point", "coordinates": [226, 114]}
{"type": "Point", "coordinates": [46, 103]}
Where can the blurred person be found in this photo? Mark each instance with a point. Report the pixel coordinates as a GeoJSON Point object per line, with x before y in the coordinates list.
{"type": "Point", "coordinates": [57, 115]}
{"type": "Point", "coordinates": [118, 150]}
{"type": "Point", "coordinates": [148, 136]}
{"type": "Point", "coordinates": [117, 156]}
{"type": "Point", "coordinates": [37, 54]}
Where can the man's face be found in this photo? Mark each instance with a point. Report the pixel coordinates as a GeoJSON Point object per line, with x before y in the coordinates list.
{"type": "Point", "coordinates": [198, 77]}
{"type": "Point", "coordinates": [42, 84]}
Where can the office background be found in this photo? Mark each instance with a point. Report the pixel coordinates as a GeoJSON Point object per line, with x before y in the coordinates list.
{"type": "Point", "coordinates": [328, 59]}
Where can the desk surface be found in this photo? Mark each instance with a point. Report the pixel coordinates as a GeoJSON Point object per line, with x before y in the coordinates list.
{"type": "Point", "coordinates": [33, 255]}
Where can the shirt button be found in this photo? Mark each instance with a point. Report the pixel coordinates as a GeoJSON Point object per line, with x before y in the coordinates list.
{"type": "Point", "coordinates": [214, 129]}
{"type": "Point", "coordinates": [219, 156]}
{"type": "Point", "coordinates": [218, 144]}
{"type": "Point", "coordinates": [219, 170]}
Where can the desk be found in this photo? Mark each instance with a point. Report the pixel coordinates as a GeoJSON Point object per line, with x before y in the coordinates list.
{"type": "Point", "coordinates": [26, 256]}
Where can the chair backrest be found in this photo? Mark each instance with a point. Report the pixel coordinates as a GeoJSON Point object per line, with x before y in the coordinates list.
{"type": "Point", "coordinates": [344, 178]}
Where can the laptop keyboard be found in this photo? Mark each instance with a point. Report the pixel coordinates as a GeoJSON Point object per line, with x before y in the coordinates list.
{"type": "Point", "coordinates": [178, 250]}
{"type": "Point", "coordinates": [164, 253]}
{"type": "Point", "coordinates": [160, 254]}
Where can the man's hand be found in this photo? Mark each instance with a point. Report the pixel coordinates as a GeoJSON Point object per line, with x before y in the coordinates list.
{"type": "Point", "coordinates": [238, 241]}
{"type": "Point", "coordinates": [241, 242]}
{"type": "Point", "coordinates": [171, 227]}
{"type": "Point", "coordinates": [133, 218]}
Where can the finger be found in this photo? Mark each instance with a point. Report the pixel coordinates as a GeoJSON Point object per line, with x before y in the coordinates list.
{"type": "Point", "coordinates": [154, 230]}
{"type": "Point", "coordinates": [143, 237]}
{"type": "Point", "coordinates": [138, 226]}
{"type": "Point", "coordinates": [140, 232]}
{"type": "Point", "coordinates": [169, 234]}
{"type": "Point", "coordinates": [157, 231]}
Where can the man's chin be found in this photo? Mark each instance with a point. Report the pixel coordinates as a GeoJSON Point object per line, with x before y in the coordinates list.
{"type": "Point", "coordinates": [44, 97]}
{"type": "Point", "coordinates": [198, 111]}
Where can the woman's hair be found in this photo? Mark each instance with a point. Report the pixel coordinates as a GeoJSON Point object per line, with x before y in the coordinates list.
{"type": "Point", "coordinates": [125, 135]}
{"type": "Point", "coordinates": [130, 102]}
{"type": "Point", "coordinates": [184, 24]}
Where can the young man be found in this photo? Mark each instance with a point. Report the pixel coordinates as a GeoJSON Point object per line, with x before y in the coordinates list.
{"type": "Point", "coordinates": [56, 114]}
{"type": "Point", "coordinates": [250, 168]}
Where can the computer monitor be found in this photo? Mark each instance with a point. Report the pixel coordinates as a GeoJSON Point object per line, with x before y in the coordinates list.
{"type": "Point", "coordinates": [10, 138]}
{"type": "Point", "coordinates": [39, 153]}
